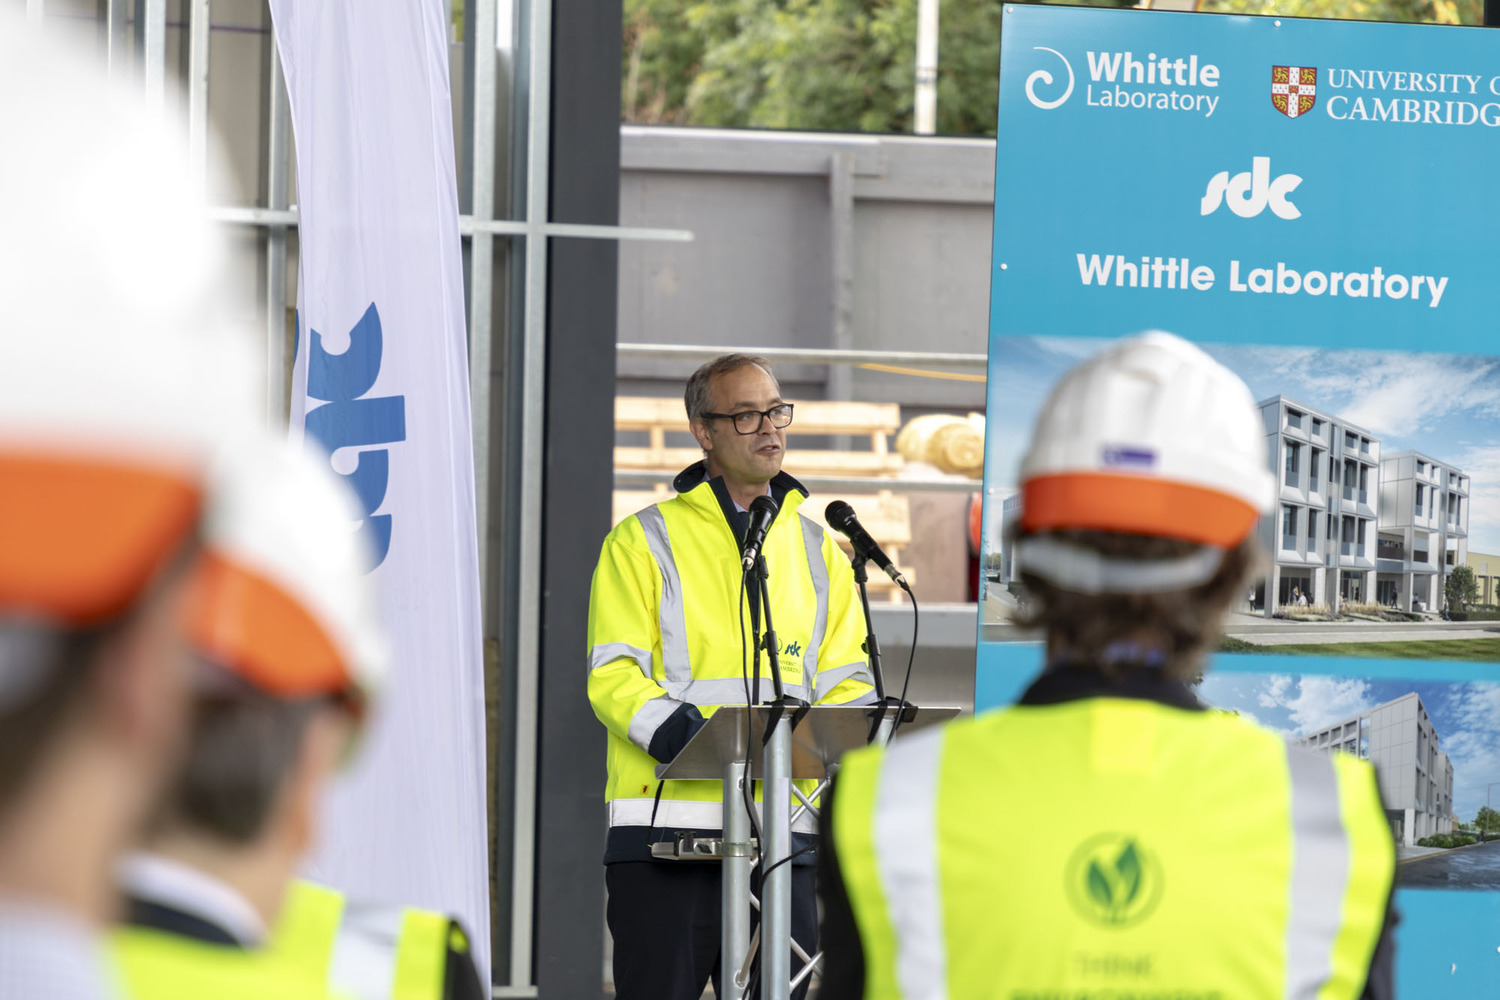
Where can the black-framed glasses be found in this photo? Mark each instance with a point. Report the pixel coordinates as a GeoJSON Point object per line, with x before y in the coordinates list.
{"type": "Point", "coordinates": [748, 421]}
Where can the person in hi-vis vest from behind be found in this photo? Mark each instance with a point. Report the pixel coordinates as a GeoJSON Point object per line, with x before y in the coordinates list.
{"type": "Point", "coordinates": [289, 660]}
{"type": "Point", "coordinates": [1109, 835]}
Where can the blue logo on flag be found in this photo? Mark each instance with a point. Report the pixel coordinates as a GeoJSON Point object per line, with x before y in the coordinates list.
{"type": "Point", "coordinates": [350, 419]}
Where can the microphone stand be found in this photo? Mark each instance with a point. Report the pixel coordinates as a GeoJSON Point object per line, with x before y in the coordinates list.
{"type": "Point", "coordinates": [882, 719]}
{"type": "Point", "coordinates": [776, 796]}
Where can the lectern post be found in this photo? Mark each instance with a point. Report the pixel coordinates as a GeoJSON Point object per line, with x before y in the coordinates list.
{"type": "Point", "coordinates": [776, 887]}
{"type": "Point", "coordinates": [717, 751]}
{"type": "Point", "coordinates": [739, 859]}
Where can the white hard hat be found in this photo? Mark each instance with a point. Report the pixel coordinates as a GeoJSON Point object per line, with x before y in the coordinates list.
{"type": "Point", "coordinates": [118, 369]}
{"type": "Point", "coordinates": [1152, 437]}
{"type": "Point", "coordinates": [283, 598]}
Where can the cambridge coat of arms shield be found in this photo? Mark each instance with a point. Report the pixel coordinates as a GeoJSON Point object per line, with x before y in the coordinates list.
{"type": "Point", "coordinates": [1294, 89]}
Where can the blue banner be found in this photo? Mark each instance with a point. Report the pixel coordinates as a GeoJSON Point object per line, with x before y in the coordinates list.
{"type": "Point", "coordinates": [1312, 203]}
{"type": "Point", "coordinates": [1265, 180]}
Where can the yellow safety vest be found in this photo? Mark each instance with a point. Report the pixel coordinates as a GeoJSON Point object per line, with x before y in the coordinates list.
{"type": "Point", "coordinates": [395, 952]}
{"type": "Point", "coordinates": [156, 965]}
{"type": "Point", "coordinates": [1111, 848]}
{"type": "Point", "coordinates": [664, 617]}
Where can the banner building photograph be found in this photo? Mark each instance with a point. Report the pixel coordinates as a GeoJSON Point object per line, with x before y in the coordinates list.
{"type": "Point", "coordinates": [1357, 525]}
{"type": "Point", "coordinates": [1416, 776]}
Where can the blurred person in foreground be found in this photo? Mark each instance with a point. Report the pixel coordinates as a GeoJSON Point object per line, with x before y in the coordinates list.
{"type": "Point", "coordinates": [287, 651]}
{"type": "Point", "coordinates": [665, 652]}
{"type": "Point", "coordinates": [117, 375]}
{"type": "Point", "coordinates": [1109, 835]}
{"type": "Point", "coordinates": [290, 659]}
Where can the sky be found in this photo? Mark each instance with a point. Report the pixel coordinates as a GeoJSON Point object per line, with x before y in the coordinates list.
{"type": "Point", "coordinates": [1466, 716]}
{"type": "Point", "coordinates": [1447, 406]}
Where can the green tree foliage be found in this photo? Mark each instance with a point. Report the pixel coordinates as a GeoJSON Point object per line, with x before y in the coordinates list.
{"type": "Point", "coordinates": [1424, 11]}
{"type": "Point", "coordinates": [1488, 819]}
{"type": "Point", "coordinates": [849, 65]}
{"type": "Point", "coordinates": [1461, 588]}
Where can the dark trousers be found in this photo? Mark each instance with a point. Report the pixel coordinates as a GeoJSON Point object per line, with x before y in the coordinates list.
{"type": "Point", "coordinates": [664, 917]}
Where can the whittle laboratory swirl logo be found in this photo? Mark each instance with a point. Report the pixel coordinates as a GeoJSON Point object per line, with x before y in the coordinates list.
{"type": "Point", "coordinates": [1045, 78]}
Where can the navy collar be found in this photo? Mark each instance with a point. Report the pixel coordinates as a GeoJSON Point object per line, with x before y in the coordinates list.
{"type": "Point", "coordinates": [697, 473]}
{"type": "Point", "coordinates": [179, 923]}
{"type": "Point", "coordinates": [1074, 682]}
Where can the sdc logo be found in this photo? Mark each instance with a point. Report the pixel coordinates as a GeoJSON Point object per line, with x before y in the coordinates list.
{"type": "Point", "coordinates": [1112, 881]}
{"type": "Point", "coordinates": [1253, 191]}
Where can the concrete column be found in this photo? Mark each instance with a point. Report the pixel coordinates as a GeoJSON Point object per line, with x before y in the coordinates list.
{"type": "Point", "coordinates": [1273, 584]}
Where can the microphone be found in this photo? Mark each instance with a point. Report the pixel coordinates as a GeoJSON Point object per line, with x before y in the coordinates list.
{"type": "Point", "coordinates": [841, 516]}
{"type": "Point", "coordinates": [762, 513]}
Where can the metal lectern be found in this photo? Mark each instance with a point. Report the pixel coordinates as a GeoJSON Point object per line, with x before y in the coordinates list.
{"type": "Point", "coordinates": [801, 747]}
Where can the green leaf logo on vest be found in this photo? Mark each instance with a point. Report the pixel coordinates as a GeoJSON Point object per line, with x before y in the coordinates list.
{"type": "Point", "coordinates": [1112, 881]}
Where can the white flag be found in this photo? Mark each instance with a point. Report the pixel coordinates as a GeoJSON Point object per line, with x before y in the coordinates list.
{"type": "Point", "coordinates": [381, 379]}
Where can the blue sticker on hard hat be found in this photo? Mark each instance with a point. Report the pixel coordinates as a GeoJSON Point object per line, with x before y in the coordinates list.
{"type": "Point", "coordinates": [1121, 456]}
{"type": "Point", "coordinates": [1263, 207]}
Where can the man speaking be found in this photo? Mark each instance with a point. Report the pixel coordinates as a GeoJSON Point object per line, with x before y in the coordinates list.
{"type": "Point", "coordinates": [666, 650]}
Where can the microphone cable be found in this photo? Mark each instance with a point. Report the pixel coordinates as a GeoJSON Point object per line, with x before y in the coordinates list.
{"type": "Point", "coordinates": [916, 620]}
{"type": "Point", "coordinates": [747, 787]}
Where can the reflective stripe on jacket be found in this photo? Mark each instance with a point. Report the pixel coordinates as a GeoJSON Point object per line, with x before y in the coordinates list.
{"type": "Point", "coordinates": [663, 634]}
{"type": "Point", "coordinates": [367, 952]}
{"type": "Point", "coordinates": [1111, 847]}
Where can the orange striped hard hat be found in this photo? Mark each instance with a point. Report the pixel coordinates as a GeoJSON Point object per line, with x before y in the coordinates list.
{"type": "Point", "coordinates": [1151, 437]}
{"type": "Point", "coordinates": [282, 596]}
{"type": "Point", "coordinates": [118, 369]}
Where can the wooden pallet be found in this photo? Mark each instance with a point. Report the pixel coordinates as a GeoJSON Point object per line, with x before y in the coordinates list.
{"type": "Point", "coordinates": [872, 422]}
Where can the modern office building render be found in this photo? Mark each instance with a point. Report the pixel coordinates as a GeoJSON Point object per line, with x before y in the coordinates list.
{"type": "Point", "coordinates": [1010, 513]}
{"type": "Point", "coordinates": [1354, 524]}
{"type": "Point", "coordinates": [1424, 529]}
{"type": "Point", "coordinates": [1416, 776]}
{"type": "Point", "coordinates": [1322, 535]}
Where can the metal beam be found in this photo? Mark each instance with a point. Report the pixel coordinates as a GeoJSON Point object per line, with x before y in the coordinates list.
{"type": "Point", "coordinates": [573, 230]}
{"type": "Point", "coordinates": [468, 225]}
{"type": "Point", "coordinates": [673, 149]}
{"type": "Point", "coordinates": [584, 187]}
{"type": "Point", "coordinates": [273, 218]}
{"type": "Point", "coordinates": [800, 355]}
{"type": "Point", "coordinates": [841, 261]}
{"type": "Point", "coordinates": [278, 169]}
{"type": "Point", "coordinates": [151, 28]}
{"type": "Point", "coordinates": [112, 23]}
{"type": "Point", "coordinates": [533, 406]}
{"type": "Point", "coordinates": [646, 478]}
{"type": "Point", "coordinates": [197, 87]}
{"type": "Point", "coordinates": [482, 259]}
{"type": "Point", "coordinates": [924, 117]}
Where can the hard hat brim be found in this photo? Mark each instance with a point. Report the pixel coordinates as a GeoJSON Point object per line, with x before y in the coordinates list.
{"type": "Point", "coordinates": [1136, 505]}
{"type": "Point", "coordinates": [241, 619]}
{"type": "Point", "coordinates": [82, 538]}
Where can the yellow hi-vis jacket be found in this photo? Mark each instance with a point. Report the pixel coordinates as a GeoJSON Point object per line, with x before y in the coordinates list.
{"type": "Point", "coordinates": [157, 965]}
{"type": "Point", "coordinates": [401, 952]}
{"type": "Point", "coordinates": [1110, 847]}
{"type": "Point", "coordinates": [665, 643]}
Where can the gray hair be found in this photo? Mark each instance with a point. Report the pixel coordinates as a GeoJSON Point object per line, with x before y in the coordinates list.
{"type": "Point", "coordinates": [695, 394]}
